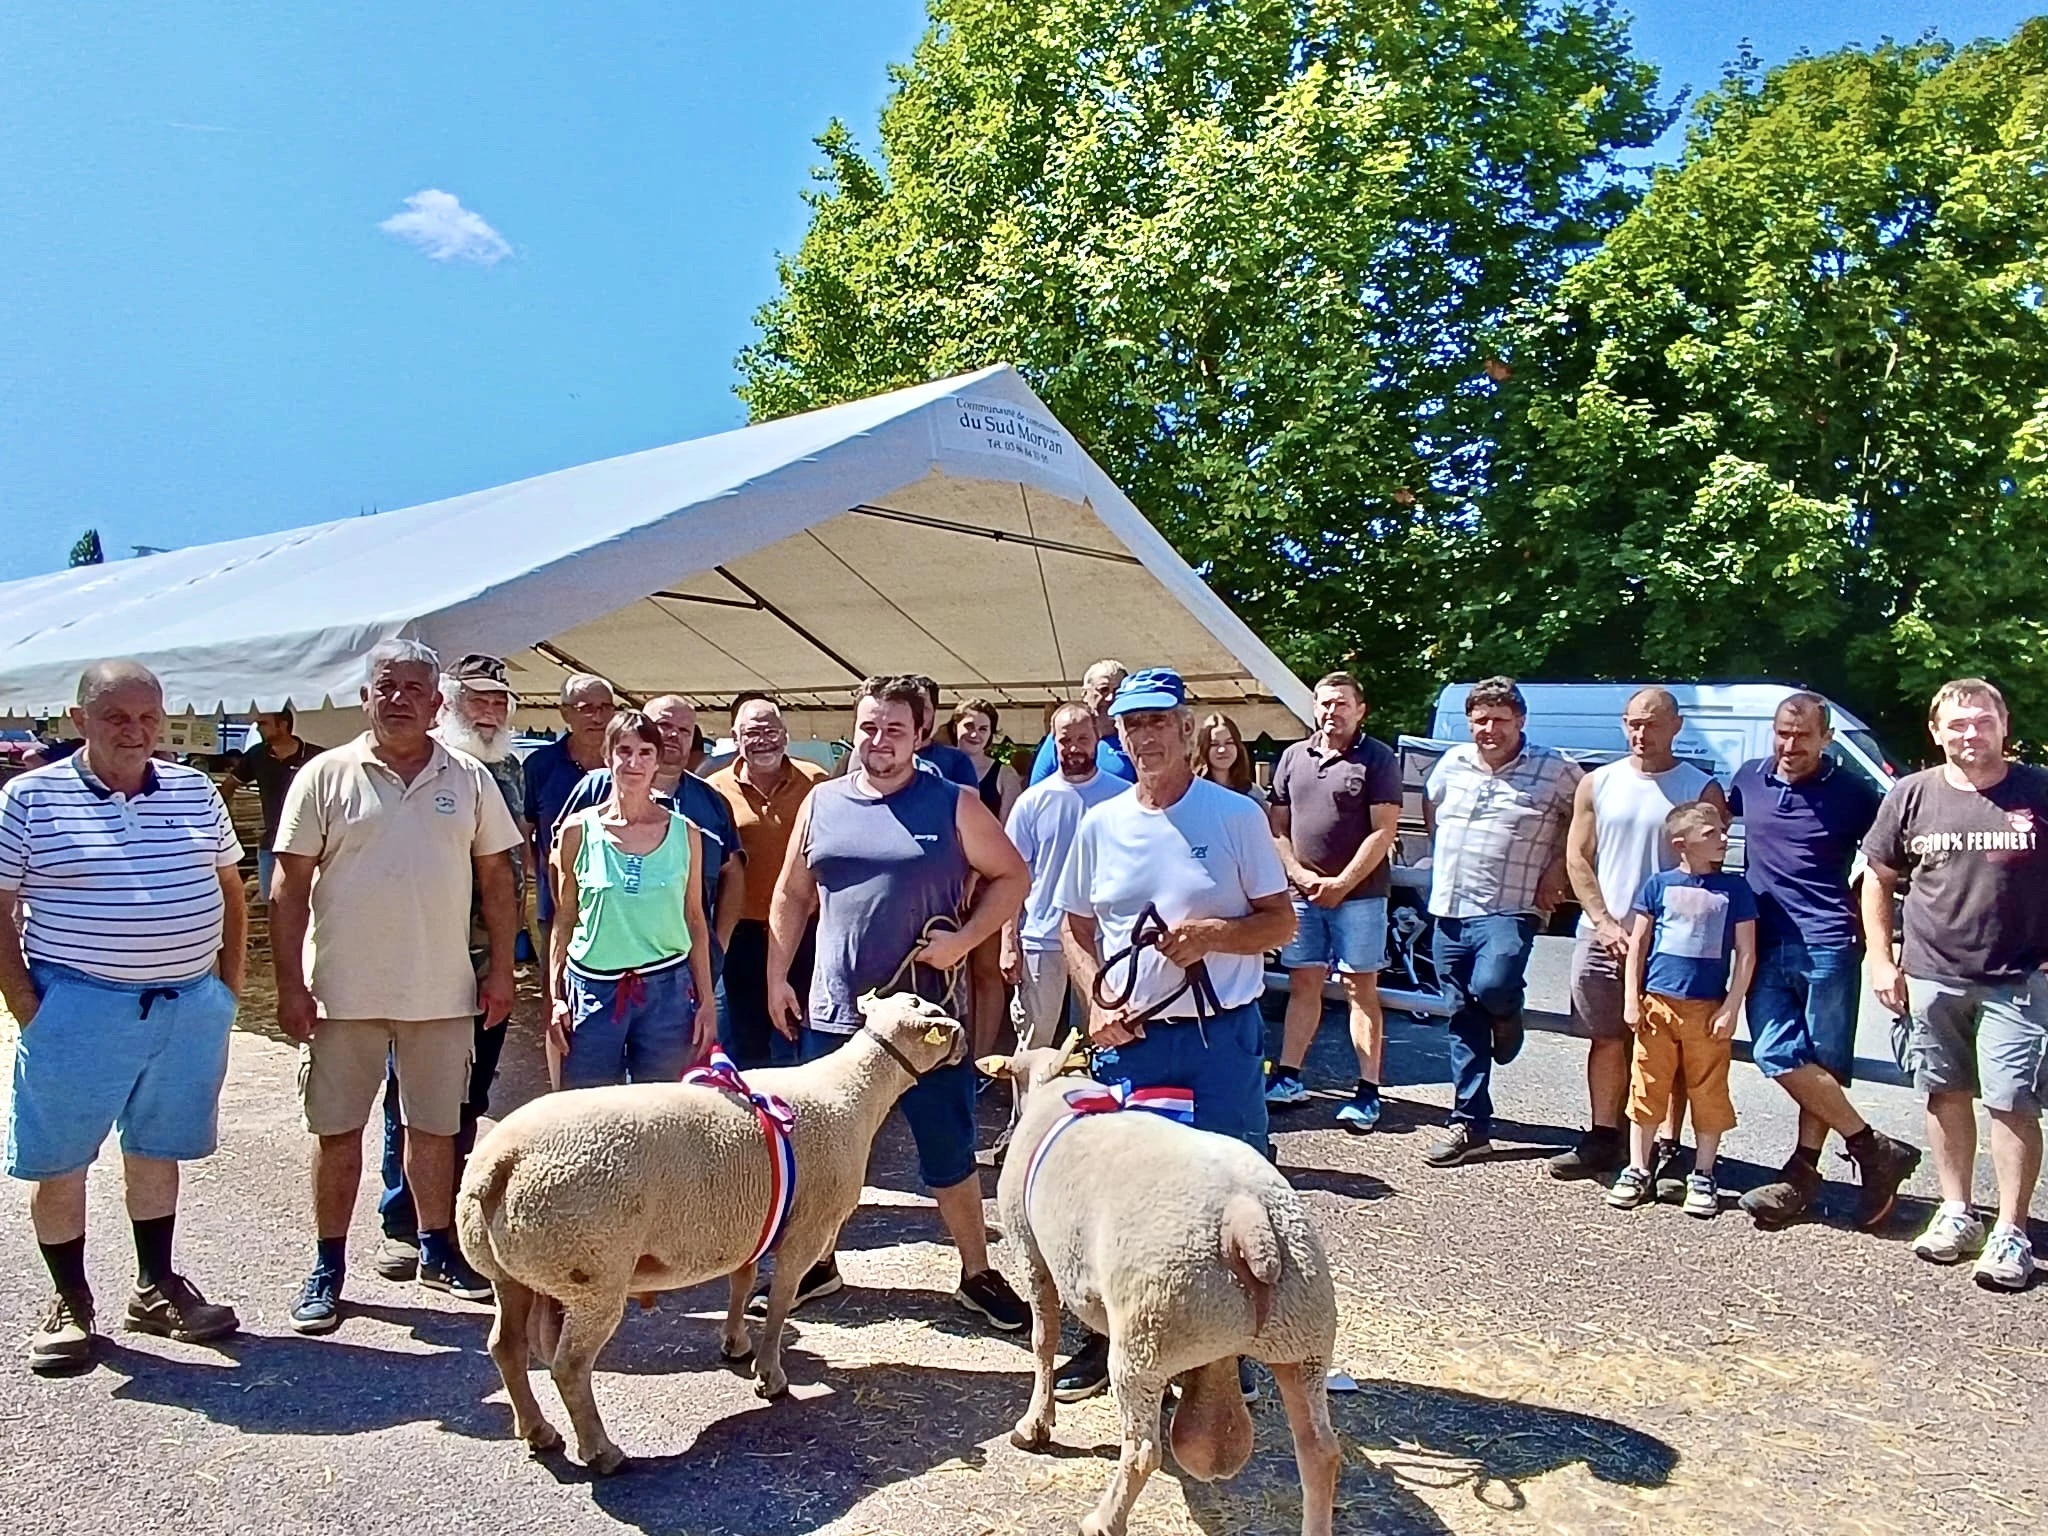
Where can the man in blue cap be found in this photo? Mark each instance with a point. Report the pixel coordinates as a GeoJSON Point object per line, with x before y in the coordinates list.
{"type": "Point", "coordinates": [1172, 894]}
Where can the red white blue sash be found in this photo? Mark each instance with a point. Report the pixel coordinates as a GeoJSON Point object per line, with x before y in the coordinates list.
{"type": "Point", "coordinates": [1097, 1099]}
{"type": "Point", "coordinates": [777, 1118]}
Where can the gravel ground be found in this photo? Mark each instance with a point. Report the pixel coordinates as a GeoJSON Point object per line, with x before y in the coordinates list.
{"type": "Point", "coordinates": [1527, 1360]}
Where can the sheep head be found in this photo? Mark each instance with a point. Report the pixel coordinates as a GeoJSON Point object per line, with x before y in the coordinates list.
{"type": "Point", "coordinates": [1029, 1069]}
{"type": "Point", "coordinates": [924, 1032]}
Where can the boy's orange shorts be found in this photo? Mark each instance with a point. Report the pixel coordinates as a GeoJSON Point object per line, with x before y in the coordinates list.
{"type": "Point", "coordinates": [1675, 1044]}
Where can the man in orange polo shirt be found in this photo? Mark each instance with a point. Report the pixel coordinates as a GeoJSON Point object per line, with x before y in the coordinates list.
{"type": "Point", "coordinates": [765, 788]}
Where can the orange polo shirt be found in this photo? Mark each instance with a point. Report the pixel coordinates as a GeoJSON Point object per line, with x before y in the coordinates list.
{"type": "Point", "coordinates": [765, 822]}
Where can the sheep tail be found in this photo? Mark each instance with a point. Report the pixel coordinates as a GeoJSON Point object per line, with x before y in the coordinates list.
{"type": "Point", "coordinates": [478, 1203]}
{"type": "Point", "coordinates": [1251, 1251]}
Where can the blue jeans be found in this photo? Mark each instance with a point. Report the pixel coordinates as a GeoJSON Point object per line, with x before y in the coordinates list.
{"type": "Point", "coordinates": [1482, 962]}
{"type": "Point", "coordinates": [266, 868]}
{"type": "Point", "coordinates": [395, 1211]}
{"type": "Point", "coordinates": [1802, 1008]}
{"type": "Point", "coordinates": [1222, 1062]}
{"type": "Point", "coordinates": [637, 1030]}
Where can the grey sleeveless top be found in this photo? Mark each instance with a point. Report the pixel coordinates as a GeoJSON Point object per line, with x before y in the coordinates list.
{"type": "Point", "coordinates": [884, 868]}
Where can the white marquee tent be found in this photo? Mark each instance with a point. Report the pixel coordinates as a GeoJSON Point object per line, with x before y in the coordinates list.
{"type": "Point", "coordinates": [954, 529]}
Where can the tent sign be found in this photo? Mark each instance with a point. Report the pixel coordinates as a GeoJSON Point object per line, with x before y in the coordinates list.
{"type": "Point", "coordinates": [998, 429]}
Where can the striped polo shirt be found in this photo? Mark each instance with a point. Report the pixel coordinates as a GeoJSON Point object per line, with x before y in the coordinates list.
{"type": "Point", "coordinates": [122, 887]}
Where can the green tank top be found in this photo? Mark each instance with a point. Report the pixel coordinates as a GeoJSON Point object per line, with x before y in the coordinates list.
{"type": "Point", "coordinates": [629, 907]}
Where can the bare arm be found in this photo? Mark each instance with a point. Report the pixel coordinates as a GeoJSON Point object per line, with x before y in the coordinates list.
{"type": "Point", "coordinates": [1373, 852]}
{"type": "Point", "coordinates": [291, 910]}
{"type": "Point", "coordinates": [234, 932]}
{"type": "Point", "coordinates": [1305, 880]}
{"type": "Point", "coordinates": [732, 897]}
{"type": "Point", "coordinates": [1581, 862]}
{"type": "Point", "coordinates": [1269, 925]}
{"type": "Point", "coordinates": [568, 903]}
{"type": "Point", "coordinates": [1714, 795]}
{"type": "Point", "coordinates": [706, 1023]}
{"type": "Point", "coordinates": [1875, 894]}
{"type": "Point", "coordinates": [17, 988]}
{"type": "Point", "coordinates": [1004, 881]}
{"type": "Point", "coordinates": [1632, 969]}
{"type": "Point", "coordinates": [495, 888]}
{"type": "Point", "coordinates": [1739, 978]}
{"type": "Point", "coordinates": [1084, 963]}
{"type": "Point", "coordinates": [790, 912]}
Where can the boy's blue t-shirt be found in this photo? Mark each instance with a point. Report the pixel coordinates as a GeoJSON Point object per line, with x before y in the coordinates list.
{"type": "Point", "coordinates": [1692, 937]}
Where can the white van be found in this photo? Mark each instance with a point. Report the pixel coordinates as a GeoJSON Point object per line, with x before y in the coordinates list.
{"type": "Point", "coordinates": [1727, 724]}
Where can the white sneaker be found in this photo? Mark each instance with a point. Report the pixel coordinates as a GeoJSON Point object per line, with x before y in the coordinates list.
{"type": "Point", "coordinates": [1702, 1197]}
{"type": "Point", "coordinates": [2007, 1263]}
{"type": "Point", "coordinates": [1952, 1235]}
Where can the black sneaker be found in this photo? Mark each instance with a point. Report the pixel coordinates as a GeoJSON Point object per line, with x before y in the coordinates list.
{"type": "Point", "coordinates": [318, 1309]}
{"type": "Point", "coordinates": [1457, 1145]}
{"type": "Point", "coordinates": [1668, 1171]}
{"type": "Point", "coordinates": [1086, 1375]}
{"type": "Point", "coordinates": [1508, 1035]}
{"type": "Point", "coordinates": [63, 1342]}
{"type": "Point", "coordinates": [452, 1276]}
{"type": "Point", "coordinates": [821, 1279]}
{"type": "Point", "coordinates": [1889, 1164]}
{"type": "Point", "coordinates": [1599, 1151]}
{"type": "Point", "coordinates": [989, 1294]}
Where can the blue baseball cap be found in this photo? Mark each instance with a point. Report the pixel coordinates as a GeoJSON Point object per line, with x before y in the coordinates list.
{"type": "Point", "coordinates": [1153, 688]}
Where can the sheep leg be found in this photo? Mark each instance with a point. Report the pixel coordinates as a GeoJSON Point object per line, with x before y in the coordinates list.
{"type": "Point", "coordinates": [1139, 1388]}
{"type": "Point", "coordinates": [790, 1265]}
{"type": "Point", "coordinates": [1034, 1430]}
{"type": "Point", "coordinates": [733, 1342]}
{"type": "Point", "coordinates": [587, 1326]}
{"type": "Point", "coordinates": [509, 1353]}
{"type": "Point", "coordinates": [1304, 1390]}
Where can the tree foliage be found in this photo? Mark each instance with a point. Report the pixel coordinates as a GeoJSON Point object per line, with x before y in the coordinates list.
{"type": "Point", "coordinates": [1793, 418]}
{"type": "Point", "coordinates": [1256, 254]}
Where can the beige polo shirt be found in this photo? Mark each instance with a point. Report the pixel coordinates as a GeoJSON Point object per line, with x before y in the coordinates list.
{"type": "Point", "coordinates": [389, 937]}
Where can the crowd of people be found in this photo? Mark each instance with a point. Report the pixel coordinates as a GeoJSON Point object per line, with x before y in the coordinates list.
{"type": "Point", "coordinates": [1131, 890]}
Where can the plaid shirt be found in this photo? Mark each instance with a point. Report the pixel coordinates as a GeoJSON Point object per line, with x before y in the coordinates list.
{"type": "Point", "coordinates": [1496, 833]}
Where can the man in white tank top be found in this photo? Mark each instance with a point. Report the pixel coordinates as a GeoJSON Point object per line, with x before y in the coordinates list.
{"type": "Point", "coordinates": [1617, 842]}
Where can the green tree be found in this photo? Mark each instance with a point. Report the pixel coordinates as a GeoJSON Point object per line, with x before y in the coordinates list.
{"type": "Point", "coordinates": [1793, 418]}
{"type": "Point", "coordinates": [1261, 256]}
{"type": "Point", "coordinates": [87, 550]}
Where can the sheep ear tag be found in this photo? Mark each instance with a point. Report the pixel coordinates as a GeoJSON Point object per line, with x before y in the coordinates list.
{"type": "Point", "coordinates": [935, 1036]}
{"type": "Point", "coordinates": [992, 1066]}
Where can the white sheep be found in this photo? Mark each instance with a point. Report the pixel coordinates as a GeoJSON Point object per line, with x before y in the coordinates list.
{"type": "Point", "coordinates": [1187, 1250]}
{"type": "Point", "coordinates": [580, 1199]}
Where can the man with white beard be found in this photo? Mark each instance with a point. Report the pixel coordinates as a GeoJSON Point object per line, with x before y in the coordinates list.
{"type": "Point", "coordinates": [475, 718]}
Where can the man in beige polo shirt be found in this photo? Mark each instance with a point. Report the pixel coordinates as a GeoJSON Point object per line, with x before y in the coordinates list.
{"type": "Point", "coordinates": [377, 849]}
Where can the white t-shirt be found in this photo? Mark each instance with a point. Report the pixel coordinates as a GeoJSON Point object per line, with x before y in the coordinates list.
{"type": "Point", "coordinates": [1629, 842]}
{"type": "Point", "coordinates": [1209, 854]}
{"type": "Point", "coordinates": [1043, 824]}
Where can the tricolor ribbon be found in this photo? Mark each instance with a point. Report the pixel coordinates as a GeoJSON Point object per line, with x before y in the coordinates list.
{"type": "Point", "coordinates": [1098, 1099]}
{"type": "Point", "coordinates": [777, 1119]}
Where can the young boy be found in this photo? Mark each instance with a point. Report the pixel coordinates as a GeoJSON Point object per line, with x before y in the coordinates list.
{"type": "Point", "coordinates": [1681, 1000]}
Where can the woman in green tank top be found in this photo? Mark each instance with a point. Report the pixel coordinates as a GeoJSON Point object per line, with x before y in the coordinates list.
{"type": "Point", "coordinates": [632, 972]}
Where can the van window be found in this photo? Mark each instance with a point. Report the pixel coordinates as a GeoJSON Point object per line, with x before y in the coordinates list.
{"type": "Point", "coordinates": [1873, 749]}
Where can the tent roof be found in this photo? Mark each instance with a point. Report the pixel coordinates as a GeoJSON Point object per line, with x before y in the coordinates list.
{"type": "Point", "coordinates": [955, 529]}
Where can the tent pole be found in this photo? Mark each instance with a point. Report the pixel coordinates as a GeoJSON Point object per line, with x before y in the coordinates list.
{"type": "Point", "coordinates": [767, 607]}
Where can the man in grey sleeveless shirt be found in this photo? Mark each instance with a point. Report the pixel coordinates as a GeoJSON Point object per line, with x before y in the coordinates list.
{"type": "Point", "coordinates": [1617, 841]}
{"type": "Point", "coordinates": [877, 855]}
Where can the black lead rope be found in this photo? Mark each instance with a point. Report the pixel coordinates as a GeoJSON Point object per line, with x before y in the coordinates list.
{"type": "Point", "coordinates": [1146, 933]}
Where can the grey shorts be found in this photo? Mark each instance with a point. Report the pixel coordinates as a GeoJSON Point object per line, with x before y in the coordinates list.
{"type": "Point", "coordinates": [1596, 992]}
{"type": "Point", "coordinates": [1990, 1042]}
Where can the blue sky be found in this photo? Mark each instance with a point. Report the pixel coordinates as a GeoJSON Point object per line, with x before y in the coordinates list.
{"type": "Point", "coordinates": [220, 314]}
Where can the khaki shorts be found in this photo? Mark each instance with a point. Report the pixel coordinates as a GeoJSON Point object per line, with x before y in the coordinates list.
{"type": "Point", "coordinates": [1597, 992]}
{"type": "Point", "coordinates": [1675, 1044]}
{"type": "Point", "coordinates": [342, 1067]}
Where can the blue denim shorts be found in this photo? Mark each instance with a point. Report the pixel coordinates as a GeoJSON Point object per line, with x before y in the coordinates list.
{"type": "Point", "coordinates": [636, 1029]}
{"type": "Point", "coordinates": [92, 1059]}
{"type": "Point", "coordinates": [1222, 1062]}
{"type": "Point", "coordinates": [1350, 937]}
{"type": "Point", "coordinates": [1802, 1008]}
{"type": "Point", "coordinates": [939, 1109]}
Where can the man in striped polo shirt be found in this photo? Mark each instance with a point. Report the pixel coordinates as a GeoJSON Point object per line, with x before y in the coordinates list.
{"type": "Point", "coordinates": [121, 947]}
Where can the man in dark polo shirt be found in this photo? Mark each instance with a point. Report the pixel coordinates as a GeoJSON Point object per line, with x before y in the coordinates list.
{"type": "Point", "coordinates": [269, 767]}
{"type": "Point", "coordinates": [1336, 814]}
{"type": "Point", "coordinates": [1803, 815]}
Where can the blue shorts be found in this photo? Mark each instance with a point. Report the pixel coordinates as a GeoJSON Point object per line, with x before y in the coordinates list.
{"type": "Point", "coordinates": [1802, 1008]}
{"type": "Point", "coordinates": [91, 1059]}
{"type": "Point", "coordinates": [637, 1029]}
{"type": "Point", "coordinates": [1350, 937]}
{"type": "Point", "coordinates": [1222, 1062]}
{"type": "Point", "coordinates": [939, 1108]}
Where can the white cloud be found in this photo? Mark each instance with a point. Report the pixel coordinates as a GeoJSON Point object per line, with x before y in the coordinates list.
{"type": "Point", "coordinates": [437, 223]}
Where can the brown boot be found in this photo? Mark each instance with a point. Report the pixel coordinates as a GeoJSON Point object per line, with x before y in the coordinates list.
{"type": "Point", "coordinates": [1785, 1200]}
{"type": "Point", "coordinates": [1886, 1165]}
{"type": "Point", "coordinates": [64, 1341]}
{"type": "Point", "coordinates": [176, 1310]}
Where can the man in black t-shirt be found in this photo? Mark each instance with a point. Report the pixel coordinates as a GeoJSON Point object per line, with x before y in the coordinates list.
{"type": "Point", "coordinates": [269, 766]}
{"type": "Point", "coordinates": [1971, 838]}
